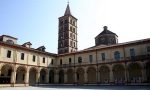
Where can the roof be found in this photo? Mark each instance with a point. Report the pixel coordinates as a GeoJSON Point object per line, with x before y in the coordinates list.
{"type": "Point", "coordinates": [9, 37]}
{"type": "Point", "coordinates": [67, 12]}
{"type": "Point", "coordinates": [106, 31]}
{"type": "Point", "coordinates": [25, 48]}
{"type": "Point", "coordinates": [109, 46]}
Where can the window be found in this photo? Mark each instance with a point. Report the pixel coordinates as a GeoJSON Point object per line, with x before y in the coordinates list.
{"type": "Point", "coordinates": [33, 59]}
{"type": "Point", "coordinates": [70, 28]}
{"type": "Point", "coordinates": [66, 21]}
{"type": "Point", "coordinates": [22, 56]}
{"type": "Point", "coordinates": [69, 60]}
{"type": "Point", "coordinates": [8, 54]}
{"type": "Point", "coordinates": [132, 53]}
{"type": "Point", "coordinates": [117, 55]}
{"type": "Point", "coordinates": [70, 35]}
{"type": "Point", "coordinates": [71, 43]}
{"type": "Point", "coordinates": [103, 56]}
{"type": "Point", "coordinates": [79, 59]}
{"type": "Point", "coordinates": [90, 58]}
{"type": "Point", "coordinates": [73, 30]}
{"type": "Point", "coordinates": [74, 44]}
{"type": "Point", "coordinates": [52, 61]}
{"type": "Point", "coordinates": [60, 61]}
{"type": "Point", "coordinates": [73, 22]}
{"type": "Point", "coordinates": [148, 49]}
{"type": "Point", "coordinates": [43, 59]}
{"type": "Point", "coordinates": [10, 41]}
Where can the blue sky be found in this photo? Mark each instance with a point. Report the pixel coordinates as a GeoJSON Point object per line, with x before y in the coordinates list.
{"type": "Point", "coordinates": [37, 20]}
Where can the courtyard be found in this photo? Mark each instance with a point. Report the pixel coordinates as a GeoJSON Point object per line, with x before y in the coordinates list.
{"type": "Point", "coordinates": [79, 88]}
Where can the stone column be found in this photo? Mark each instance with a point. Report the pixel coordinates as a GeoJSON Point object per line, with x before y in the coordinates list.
{"type": "Point", "coordinates": [111, 76]}
{"type": "Point", "coordinates": [38, 77]}
{"type": "Point", "coordinates": [75, 77]}
{"type": "Point", "coordinates": [65, 77]}
{"type": "Point", "coordinates": [143, 75]}
{"type": "Point", "coordinates": [97, 77]}
{"type": "Point", "coordinates": [85, 77]}
{"type": "Point", "coordinates": [27, 78]}
{"type": "Point", "coordinates": [47, 77]}
{"type": "Point", "coordinates": [13, 77]}
{"type": "Point", "coordinates": [56, 76]}
{"type": "Point", "coordinates": [126, 76]}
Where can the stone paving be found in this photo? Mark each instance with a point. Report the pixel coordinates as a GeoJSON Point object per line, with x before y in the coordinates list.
{"type": "Point", "coordinates": [79, 88]}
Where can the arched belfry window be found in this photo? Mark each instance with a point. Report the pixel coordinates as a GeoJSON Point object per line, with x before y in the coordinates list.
{"type": "Point", "coordinates": [79, 59]}
{"type": "Point", "coordinates": [117, 55]}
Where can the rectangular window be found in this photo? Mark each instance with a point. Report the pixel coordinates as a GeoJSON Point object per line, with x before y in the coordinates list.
{"type": "Point", "coordinates": [103, 56]}
{"type": "Point", "coordinates": [8, 54]}
{"type": "Point", "coordinates": [132, 53]}
{"type": "Point", "coordinates": [22, 56]}
{"type": "Point", "coordinates": [43, 59]}
{"type": "Point", "coordinates": [69, 60]}
{"type": "Point", "coordinates": [52, 62]}
{"type": "Point", "coordinates": [148, 49]}
{"type": "Point", "coordinates": [90, 58]}
{"type": "Point", "coordinates": [33, 59]}
{"type": "Point", "coordinates": [60, 61]}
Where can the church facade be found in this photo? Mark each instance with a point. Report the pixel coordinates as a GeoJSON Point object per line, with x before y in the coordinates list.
{"type": "Point", "coordinates": [108, 62]}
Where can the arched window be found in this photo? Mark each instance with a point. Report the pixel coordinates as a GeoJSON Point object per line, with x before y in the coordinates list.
{"type": "Point", "coordinates": [79, 59]}
{"type": "Point", "coordinates": [10, 41]}
{"type": "Point", "coordinates": [117, 55]}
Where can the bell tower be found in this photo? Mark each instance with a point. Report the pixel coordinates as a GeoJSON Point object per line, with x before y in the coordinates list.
{"type": "Point", "coordinates": [67, 36]}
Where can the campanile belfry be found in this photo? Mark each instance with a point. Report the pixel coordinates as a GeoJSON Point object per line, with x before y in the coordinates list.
{"type": "Point", "coordinates": [67, 35]}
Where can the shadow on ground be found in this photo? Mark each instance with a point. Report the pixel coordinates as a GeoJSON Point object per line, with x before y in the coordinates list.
{"type": "Point", "coordinates": [98, 87]}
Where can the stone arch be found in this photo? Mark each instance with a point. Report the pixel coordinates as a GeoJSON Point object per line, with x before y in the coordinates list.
{"type": "Point", "coordinates": [6, 72]}
{"type": "Point", "coordinates": [148, 71]}
{"type": "Point", "coordinates": [61, 76]}
{"type": "Point", "coordinates": [135, 72]}
{"type": "Point", "coordinates": [43, 73]}
{"type": "Point", "coordinates": [104, 74]}
{"type": "Point", "coordinates": [32, 75]}
{"type": "Point", "coordinates": [70, 76]}
{"type": "Point", "coordinates": [118, 73]}
{"type": "Point", "coordinates": [51, 76]}
{"type": "Point", "coordinates": [20, 74]}
{"type": "Point", "coordinates": [91, 74]}
{"type": "Point", "coordinates": [80, 75]}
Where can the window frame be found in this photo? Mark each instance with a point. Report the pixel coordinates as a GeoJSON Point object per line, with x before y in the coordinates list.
{"type": "Point", "coordinates": [79, 59]}
{"type": "Point", "coordinates": [22, 56]}
{"type": "Point", "coordinates": [43, 59]}
{"type": "Point", "coordinates": [33, 58]}
{"type": "Point", "coordinates": [9, 52]}
{"type": "Point", "coordinates": [117, 55]}
{"type": "Point", "coordinates": [103, 56]}
{"type": "Point", "coordinates": [90, 58]}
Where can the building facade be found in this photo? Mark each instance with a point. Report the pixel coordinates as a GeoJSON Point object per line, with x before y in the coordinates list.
{"type": "Point", "coordinates": [108, 62]}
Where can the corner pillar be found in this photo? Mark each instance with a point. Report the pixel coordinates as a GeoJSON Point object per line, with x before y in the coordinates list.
{"type": "Point", "coordinates": [13, 77]}
{"type": "Point", "coordinates": [111, 76]}
{"type": "Point", "coordinates": [47, 77]}
{"type": "Point", "coordinates": [27, 78]}
{"type": "Point", "coordinates": [38, 77]}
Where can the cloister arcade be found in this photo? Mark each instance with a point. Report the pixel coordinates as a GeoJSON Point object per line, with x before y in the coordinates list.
{"type": "Point", "coordinates": [132, 72]}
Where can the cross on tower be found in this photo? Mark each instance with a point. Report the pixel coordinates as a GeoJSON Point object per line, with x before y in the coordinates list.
{"type": "Point", "coordinates": [68, 2]}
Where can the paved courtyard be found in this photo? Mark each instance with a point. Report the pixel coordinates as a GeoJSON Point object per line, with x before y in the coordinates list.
{"type": "Point", "coordinates": [80, 88]}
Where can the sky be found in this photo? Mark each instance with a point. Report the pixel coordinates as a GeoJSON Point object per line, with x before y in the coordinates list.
{"type": "Point", "coordinates": [37, 20]}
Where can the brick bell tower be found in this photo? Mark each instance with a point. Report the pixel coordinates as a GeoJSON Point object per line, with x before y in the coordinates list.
{"type": "Point", "coordinates": [67, 36]}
